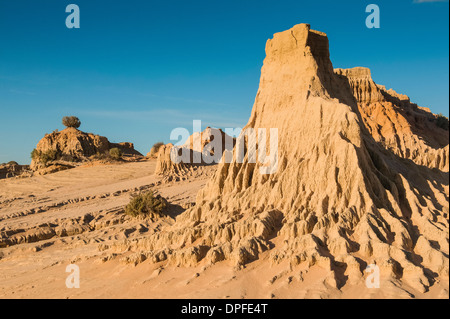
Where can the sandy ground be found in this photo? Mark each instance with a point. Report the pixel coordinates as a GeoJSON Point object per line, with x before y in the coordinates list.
{"type": "Point", "coordinates": [64, 218]}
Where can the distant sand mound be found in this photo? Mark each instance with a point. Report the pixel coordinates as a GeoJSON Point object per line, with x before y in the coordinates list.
{"type": "Point", "coordinates": [62, 150]}
{"type": "Point", "coordinates": [154, 150]}
{"type": "Point", "coordinates": [12, 169]}
{"type": "Point", "coordinates": [198, 147]}
{"type": "Point", "coordinates": [354, 185]}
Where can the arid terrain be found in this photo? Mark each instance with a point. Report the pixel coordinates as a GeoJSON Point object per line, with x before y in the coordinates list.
{"type": "Point", "coordinates": [79, 209]}
{"type": "Point", "coordinates": [86, 203]}
{"type": "Point", "coordinates": [361, 179]}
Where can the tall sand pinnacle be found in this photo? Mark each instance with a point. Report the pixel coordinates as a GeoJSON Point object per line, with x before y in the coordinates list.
{"type": "Point", "coordinates": [341, 198]}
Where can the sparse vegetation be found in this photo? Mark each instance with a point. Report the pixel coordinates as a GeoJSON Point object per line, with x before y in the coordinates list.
{"type": "Point", "coordinates": [71, 121]}
{"type": "Point", "coordinates": [101, 156]}
{"type": "Point", "coordinates": [155, 148]}
{"type": "Point", "coordinates": [442, 122]}
{"type": "Point", "coordinates": [115, 153]}
{"type": "Point", "coordinates": [34, 154]}
{"type": "Point", "coordinates": [44, 157]}
{"type": "Point", "coordinates": [146, 204]}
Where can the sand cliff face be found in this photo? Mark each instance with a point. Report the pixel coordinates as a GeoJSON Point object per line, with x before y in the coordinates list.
{"type": "Point", "coordinates": [402, 127]}
{"type": "Point", "coordinates": [357, 182]}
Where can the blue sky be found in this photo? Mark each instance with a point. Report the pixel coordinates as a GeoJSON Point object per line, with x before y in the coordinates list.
{"type": "Point", "coordinates": [135, 70]}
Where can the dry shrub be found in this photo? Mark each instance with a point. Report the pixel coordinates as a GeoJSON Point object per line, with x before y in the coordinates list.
{"type": "Point", "coordinates": [115, 153]}
{"type": "Point", "coordinates": [71, 121]}
{"type": "Point", "coordinates": [146, 204]}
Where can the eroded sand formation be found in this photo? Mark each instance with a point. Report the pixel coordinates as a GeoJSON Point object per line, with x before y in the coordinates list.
{"type": "Point", "coordinates": [347, 192]}
{"type": "Point", "coordinates": [12, 169]}
{"type": "Point", "coordinates": [404, 128]}
{"type": "Point", "coordinates": [362, 179]}
{"type": "Point", "coordinates": [203, 149]}
{"type": "Point", "coordinates": [69, 147]}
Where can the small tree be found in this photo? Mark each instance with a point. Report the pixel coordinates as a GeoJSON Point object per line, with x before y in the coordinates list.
{"type": "Point", "coordinates": [71, 121]}
{"type": "Point", "coordinates": [44, 157]}
{"type": "Point", "coordinates": [115, 153]}
{"type": "Point", "coordinates": [155, 148]}
{"type": "Point", "coordinates": [35, 154]}
{"type": "Point", "coordinates": [442, 122]}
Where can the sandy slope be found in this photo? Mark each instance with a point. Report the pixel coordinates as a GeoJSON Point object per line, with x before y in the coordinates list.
{"type": "Point", "coordinates": [37, 270]}
{"type": "Point", "coordinates": [61, 206]}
